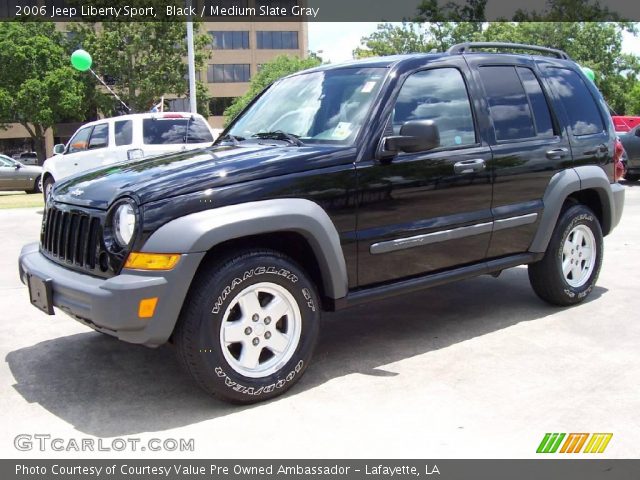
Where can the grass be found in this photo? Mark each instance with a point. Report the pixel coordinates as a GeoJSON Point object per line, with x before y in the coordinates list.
{"type": "Point", "coordinates": [20, 200]}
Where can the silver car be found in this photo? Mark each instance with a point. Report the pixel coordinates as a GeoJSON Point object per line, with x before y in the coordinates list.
{"type": "Point", "coordinates": [16, 176]}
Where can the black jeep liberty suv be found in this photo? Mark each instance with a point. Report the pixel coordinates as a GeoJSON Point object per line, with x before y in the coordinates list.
{"type": "Point", "coordinates": [336, 186]}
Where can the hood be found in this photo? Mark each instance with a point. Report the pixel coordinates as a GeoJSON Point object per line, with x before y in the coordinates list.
{"type": "Point", "coordinates": [166, 176]}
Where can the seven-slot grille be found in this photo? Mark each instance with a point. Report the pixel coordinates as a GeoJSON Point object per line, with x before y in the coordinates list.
{"type": "Point", "coordinates": [72, 237]}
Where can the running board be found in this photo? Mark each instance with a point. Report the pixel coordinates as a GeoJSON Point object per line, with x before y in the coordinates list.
{"type": "Point", "coordinates": [380, 292]}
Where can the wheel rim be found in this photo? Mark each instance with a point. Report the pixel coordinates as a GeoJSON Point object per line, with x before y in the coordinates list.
{"type": "Point", "coordinates": [48, 186]}
{"type": "Point", "coordinates": [578, 256]}
{"type": "Point", "coordinates": [260, 330]}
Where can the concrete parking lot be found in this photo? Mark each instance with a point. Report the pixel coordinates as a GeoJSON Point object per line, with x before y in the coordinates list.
{"type": "Point", "coordinates": [477, 369]}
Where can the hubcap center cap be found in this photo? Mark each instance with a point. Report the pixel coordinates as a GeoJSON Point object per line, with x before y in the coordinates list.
{"type": "Point", "coordinates": [259, 329]}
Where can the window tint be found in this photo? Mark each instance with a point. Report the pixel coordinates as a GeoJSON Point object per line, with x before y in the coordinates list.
{"type": "Point", "coordinates": [538, 102]}
{"type": "Point", "coordinates": [583, 112]}
{"type": "Point", "coordinates": [508, 103]}
{"type": "Point", "coordinates": [277, 40]}
{"type": "Point", "coordinates": [159, 131]}
{"type": "Point", "coordinates": [439, 95]}
{"type": "Point", "coordinates": [230, 40]}
{"type": "Point", "coordinates": [217, 105]}
{"type": "Point", "coordinates": [123, 132]}
{"type": "Point", "coordinates": [99, 136]}
{"type": "Point", "coordinates": [80, 140]}
{"type": "Point", "coordinates": [228, 73]}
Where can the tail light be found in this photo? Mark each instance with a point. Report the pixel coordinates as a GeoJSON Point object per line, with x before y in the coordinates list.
{"type": "Point", "coordinates": [618, 167]}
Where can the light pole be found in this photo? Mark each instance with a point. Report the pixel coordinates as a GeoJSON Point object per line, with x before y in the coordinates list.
{"type": "Point", "coordinates": [191, 62]}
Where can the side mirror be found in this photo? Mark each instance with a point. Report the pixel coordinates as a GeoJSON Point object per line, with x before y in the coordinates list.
{"type": "Point", "coordinates": [58, 149]}
{"type": "Point", "coordinates": [18, 166]}
{"type": "Point", "coordinates": [415, 136]}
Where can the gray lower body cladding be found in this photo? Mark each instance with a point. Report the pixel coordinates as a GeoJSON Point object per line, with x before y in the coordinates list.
{"type": "Point", "coordinates": [111, 305]}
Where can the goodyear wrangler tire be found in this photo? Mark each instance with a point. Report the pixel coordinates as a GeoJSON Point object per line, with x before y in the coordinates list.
{"type": "Point", "coordinates": [570, 267]}
{"type": "Point", "coordinates": [249, 326]}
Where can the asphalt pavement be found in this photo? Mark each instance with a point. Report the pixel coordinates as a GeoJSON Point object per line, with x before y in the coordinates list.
{"type": "Point", "coordinates": [476, 369]}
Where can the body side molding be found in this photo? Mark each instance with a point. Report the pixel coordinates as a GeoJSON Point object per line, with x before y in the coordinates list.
{"type": "Point", "coordinates": [201, 231]}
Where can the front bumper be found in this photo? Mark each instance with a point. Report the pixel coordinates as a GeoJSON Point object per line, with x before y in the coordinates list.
{"type": "Point", "coordinates": [111, 305]}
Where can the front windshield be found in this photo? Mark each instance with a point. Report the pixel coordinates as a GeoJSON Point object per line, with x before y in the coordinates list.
{"type": "Point", "coordinates": [319, 107]}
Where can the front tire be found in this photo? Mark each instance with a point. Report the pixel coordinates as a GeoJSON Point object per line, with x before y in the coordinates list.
{"type": "Point", "coordinates": [47, 186]}
{"type": "Point", "coordinates": [570, 267]}
{"type": "Point", "coordinates": [249, 326]}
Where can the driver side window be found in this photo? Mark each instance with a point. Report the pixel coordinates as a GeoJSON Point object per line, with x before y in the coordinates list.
{"type": "Point", "coordinates": [80, 141]}
{"type": "Point", "coordinates": [439, 95]}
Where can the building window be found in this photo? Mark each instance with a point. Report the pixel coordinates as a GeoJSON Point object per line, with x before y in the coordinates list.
{"type": "Point", "coordinates": [179, 105]}
{"type": "Point", "coordinates": [228, 73]}
{"type": "Point", "coordinates": [277, 40]}
{"type": "Point", "coordinates": [217, 105]}
{"type": "Point", "coordinates": [229, 40]}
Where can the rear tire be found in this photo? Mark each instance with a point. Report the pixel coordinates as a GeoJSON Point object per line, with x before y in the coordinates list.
{"type": "Point", "coordinates": [570, 267]}
{"type": "Point", "coordinates": [36, 187]}
{"type": "Point", "coordinates": [248, 326]}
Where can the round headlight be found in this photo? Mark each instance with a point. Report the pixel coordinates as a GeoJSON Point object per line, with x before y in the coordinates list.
{"type": "Point", "coordinates": [124, 224]}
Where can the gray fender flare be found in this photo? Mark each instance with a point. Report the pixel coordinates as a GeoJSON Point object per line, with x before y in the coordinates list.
{"type": "Point", "coordinates": [562, 185]}
{"type": "Point", "coordinates": [201, 231]}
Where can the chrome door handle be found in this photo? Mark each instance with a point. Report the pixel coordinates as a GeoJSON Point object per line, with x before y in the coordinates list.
{"type": "Point", "coordinates": [469, 166]}
{"type": "Point", "coordinates": [557, 153]}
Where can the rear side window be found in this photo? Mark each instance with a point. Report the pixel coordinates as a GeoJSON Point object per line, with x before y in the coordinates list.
{"type": "Point", "coordinates": [99, 136]}
{"type": "Point", "coordinates": [439, 95]}
{"type": "Point", "coordinates": [123, 132]}
{"type": "Point", "coordinates": [582, 110]}
{"type": "Point", "coordinates": [508, 103]}
{"type": "Point", "coordinates": [538, 102]}
{"type": "Point", "coordinates": [168, 131]}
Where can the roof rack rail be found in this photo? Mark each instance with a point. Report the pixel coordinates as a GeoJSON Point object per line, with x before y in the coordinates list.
{"type": "Point", "coordinates": [461, 48]}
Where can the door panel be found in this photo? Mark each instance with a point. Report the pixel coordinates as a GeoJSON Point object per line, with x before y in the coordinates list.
{"type": "Point", "coordinates": [415, 196]}
{"type": "Point", "coordinates": [424, 212]}
{"type": "Point", "coordinates": [528, 147]}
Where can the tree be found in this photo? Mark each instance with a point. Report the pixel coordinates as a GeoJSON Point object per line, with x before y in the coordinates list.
{"type": "Point", "coordinates": [633, 101]}
{"type": "Point", "coordinates": [143, 60]}
{"type": "Point", "coordinates": [277, 68]}
{"type": "Point", "coordinates": [38, 87]}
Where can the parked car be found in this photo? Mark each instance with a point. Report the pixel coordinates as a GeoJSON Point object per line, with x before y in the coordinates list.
{"type": "Point", "coordinates": [16, 176]}
{"type": "Point", "coordinates": [631, 142]}
{"type": "Point", "coordinates": [27, 158]}
{"type": "Point", "coordinates": [336, 186]}
{"type": "Point", "coordinates": [624, 123]}
{"type": "Point", "coordinates": [128, 137]}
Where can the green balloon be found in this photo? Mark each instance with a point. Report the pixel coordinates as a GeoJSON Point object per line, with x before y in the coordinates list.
{"type": "Point", "coordinates": [590, 74]}
{"type": "Point", "coordinates": [81, 60]}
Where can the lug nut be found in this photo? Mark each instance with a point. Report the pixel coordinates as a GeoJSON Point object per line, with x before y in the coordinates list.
{"type": "Point", "coordinates": [255, 317]}
{"type": "Point", "coordinates": [267, 320]}
{"type": "Point", "coordinates": [267, 335]}
{"type": "Point", "coordinates": [247, 331]}
{"type": "Point", "coordinates": [256, 341]}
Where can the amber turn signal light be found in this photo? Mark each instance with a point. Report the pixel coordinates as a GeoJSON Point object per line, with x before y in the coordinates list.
{"type": "Point", "coordinates": [152, 261]}
{"type": "Point", "coordinates": [147, 307]}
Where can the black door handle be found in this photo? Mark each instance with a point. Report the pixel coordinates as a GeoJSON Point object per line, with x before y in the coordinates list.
{"type": "Point", "coordinates": [469, 166]}
{"type": "Point", "coordinates": [557, 153]}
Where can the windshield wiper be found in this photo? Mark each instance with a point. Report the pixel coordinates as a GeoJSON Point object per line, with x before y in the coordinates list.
{"type": "Point", "coordinates": [232, 138]}
{"type": "Point", "coordinates": [280, 135]}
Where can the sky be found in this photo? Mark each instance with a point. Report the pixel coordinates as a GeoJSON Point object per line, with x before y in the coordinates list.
{"type": "Point", "coordinates": [338, 40]}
